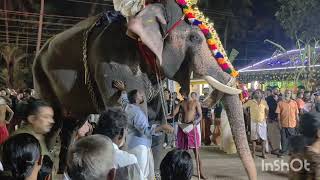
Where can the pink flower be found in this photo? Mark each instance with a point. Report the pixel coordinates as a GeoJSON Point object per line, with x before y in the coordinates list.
{"type": "Point", "coordinates": [181, 2]}
{"type": "Point", "coordinates": [224, 66]}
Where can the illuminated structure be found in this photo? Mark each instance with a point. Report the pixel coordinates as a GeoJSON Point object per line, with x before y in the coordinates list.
{"type": "Point", "coordinates": [283, 67]}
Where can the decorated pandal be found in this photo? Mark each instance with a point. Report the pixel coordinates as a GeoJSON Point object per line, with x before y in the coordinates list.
{"type": "Point", "coordinates": [285, 69]}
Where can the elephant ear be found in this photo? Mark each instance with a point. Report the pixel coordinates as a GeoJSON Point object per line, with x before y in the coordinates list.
{"type": "Point", "coordinates": [147, 25]}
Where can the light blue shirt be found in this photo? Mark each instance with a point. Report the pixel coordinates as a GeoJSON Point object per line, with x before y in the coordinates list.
{"type": "Point", "coordinates": [139, 131]}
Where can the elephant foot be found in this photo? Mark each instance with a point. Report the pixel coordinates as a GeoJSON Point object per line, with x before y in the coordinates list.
{"type": "Point", "coordinates": [203, 176]}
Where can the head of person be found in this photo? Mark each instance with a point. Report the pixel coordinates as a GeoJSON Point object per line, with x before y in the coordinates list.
{"type": "Point", "coordinates": [85, 129]}
{"type": "Point", "coordinates": [287, 94]}
{"type": "Point", "coordinates": [21, 156]}
{"type": "Point", "coordinates": [310, 125]}
{"type": "Point", "coordinates": [257, 94]}
{"type": "Point", "coordinates": [91, 158]}
{"type": "Point", "coordinates": [268, 92]}
{"type": "Point", "coordinates": [302, 90]}
{"type": "Point", "coordinates": [3, 92]}
{"type": "Point", "coordinates": [275, 91]}
{"type": "Point", "coordinates": [299, 95]}
{"type": "Point", "coordinates": [194, 96]}
{"type": "Point", "coordinates": [135, 97]}
{"type": "Point", "coordinates": [40, 116]}
{"type": "Point", "coordinates": [113, 124]}
{"type": "Point", "coordinates": [176, 164]}
{"type": "Point", "coordinates": [27, 93]}
{"type": "Point", "coordinates": [167, 94]}
{"type": "Point", "coordinates": [307, 95]}
{"type": "Point", "coordinates": [183, 93]}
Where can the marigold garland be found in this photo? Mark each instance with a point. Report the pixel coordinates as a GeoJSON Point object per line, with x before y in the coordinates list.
{"type": "Point", "coordinates": [195, 17]}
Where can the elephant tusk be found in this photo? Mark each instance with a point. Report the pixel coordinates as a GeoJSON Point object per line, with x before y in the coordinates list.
{"type": "Point", "coordinates": [221, 87]}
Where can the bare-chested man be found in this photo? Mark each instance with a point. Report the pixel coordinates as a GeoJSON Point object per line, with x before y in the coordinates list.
{"type": "Point", "coordinates": [188, 136]}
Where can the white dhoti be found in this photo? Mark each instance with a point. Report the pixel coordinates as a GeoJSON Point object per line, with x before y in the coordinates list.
{"type": "Point", "coordinates": [227, 142]}
{"type": "Point", "coordinates": [258, 130]}
{"type": "Point", "coordinates": [145, 160]}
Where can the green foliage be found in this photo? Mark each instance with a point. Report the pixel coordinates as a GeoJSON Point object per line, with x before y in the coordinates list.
{"type": "Point", "coordinates": [300, 18]}
{"type": "Point", "coordinates": [12, 70]}
{"type": "Point", "coordinates": [21, 74]}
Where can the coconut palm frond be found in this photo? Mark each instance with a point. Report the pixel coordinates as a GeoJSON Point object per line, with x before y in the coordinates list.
{"type": "Point", "coordinates": [281, 48]}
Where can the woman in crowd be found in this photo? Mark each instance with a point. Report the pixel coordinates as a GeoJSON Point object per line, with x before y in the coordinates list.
{"type": "Point", "coordinates": [4, 109]}
{"type": "Point", "coordinates": [176, 165]}
{"type": "Point", "coordinates": [21, 158]}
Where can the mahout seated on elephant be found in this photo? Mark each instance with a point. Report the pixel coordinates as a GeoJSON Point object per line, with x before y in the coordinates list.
{"type": "Point", "coordinates": [74, 70]}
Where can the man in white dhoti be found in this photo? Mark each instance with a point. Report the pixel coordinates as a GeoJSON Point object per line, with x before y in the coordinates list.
{"type": "Point", "coordinates": [258, 115]}
{"type": "Point", "coordinates": [139, 132]}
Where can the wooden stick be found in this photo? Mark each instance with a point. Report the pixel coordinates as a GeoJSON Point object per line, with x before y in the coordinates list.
{"type": "Point", "coordinates": [195, 146]}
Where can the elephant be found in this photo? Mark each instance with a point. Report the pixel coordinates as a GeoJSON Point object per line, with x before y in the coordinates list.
{"type": "Point", "coordinates": [74, 70]}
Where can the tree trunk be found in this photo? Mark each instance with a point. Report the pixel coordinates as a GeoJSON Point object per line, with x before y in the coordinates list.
{"type": "Point", "coordinates": [10, 68]}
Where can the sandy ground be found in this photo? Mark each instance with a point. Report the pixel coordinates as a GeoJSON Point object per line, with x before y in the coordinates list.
{"type": "Point", "coordinates": [220, 166]}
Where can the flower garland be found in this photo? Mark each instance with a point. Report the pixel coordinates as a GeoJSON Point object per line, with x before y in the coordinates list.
{"type": "Point", "coordinates": [195, 17]}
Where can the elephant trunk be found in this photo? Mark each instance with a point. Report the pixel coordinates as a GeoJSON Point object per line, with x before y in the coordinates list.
{"type": "Point", "coordinates": [234, 111]}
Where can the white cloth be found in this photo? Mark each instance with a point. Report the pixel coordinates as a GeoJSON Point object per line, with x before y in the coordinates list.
{"type": "Point", "coordinates": [227, 142]}
{"type": "Point", "coordinates": [145, 160]}
{"type": "Point", "coordinates": [1, 167]}
{"type": "Point", "coordinates": [126, 165]}
{"type": "Point", "coordinates": [258, 130]}
{"type": "Point", "coordinates": [186, 128]}
{"type": "Point", "coordinates": [128, 7]}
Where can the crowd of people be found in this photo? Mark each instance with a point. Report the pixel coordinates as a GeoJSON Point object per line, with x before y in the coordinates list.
{"type": "Point", "coordinates": [274, 118]}
{"type": "Point", "coordinates": [97, 151]}
{"type": "Point", "coordinates": [119, 145]}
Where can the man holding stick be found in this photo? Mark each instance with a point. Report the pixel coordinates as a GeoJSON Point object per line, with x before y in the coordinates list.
{"type": "Point", "coordinates": [188, 136]}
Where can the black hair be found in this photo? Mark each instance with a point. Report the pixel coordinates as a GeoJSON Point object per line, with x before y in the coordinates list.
{"type": "Point", "coordinates": [310, 123]}
{"type": "Point", "coordinates": [167, 90]}
{"type": "Point", "coordinates": [257, 90]}
{"type": "Point", "coordinates": [34, 106]}
{"type": "Point", "coordinates": [194, 93]}
{"type": "Point", "coordinates": [307, 92]}
{"type": "Point", "coordinates": [19, 155]}
{"type": "Point", "coordinates": [46, 168]}
{"type": "Point", "coordinates": [176, 165]}
{"type": "Point", "coordinates": [27, 91]}
{"type": "Point", "coordinates": [132, 95]}
{"type": "Point", "coordinates": [112, 122]}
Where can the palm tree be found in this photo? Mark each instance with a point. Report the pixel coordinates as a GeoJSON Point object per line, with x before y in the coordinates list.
{"type": "Point", "coordinates": [12, 54]}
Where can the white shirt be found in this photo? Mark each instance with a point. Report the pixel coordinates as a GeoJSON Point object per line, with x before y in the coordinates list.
{"type": "Point", "coordinates": [126, 165]}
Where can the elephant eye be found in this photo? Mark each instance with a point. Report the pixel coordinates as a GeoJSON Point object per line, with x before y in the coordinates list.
{"type": "Point", "coordinates": [195, 38]}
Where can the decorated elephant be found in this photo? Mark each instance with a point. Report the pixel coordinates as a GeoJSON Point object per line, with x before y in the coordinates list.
{"type": "Point", "coordinates": [74, 70]}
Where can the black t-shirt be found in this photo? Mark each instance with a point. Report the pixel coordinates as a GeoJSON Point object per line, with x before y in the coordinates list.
{"type": "Point", "coordinates": [272, 103]}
